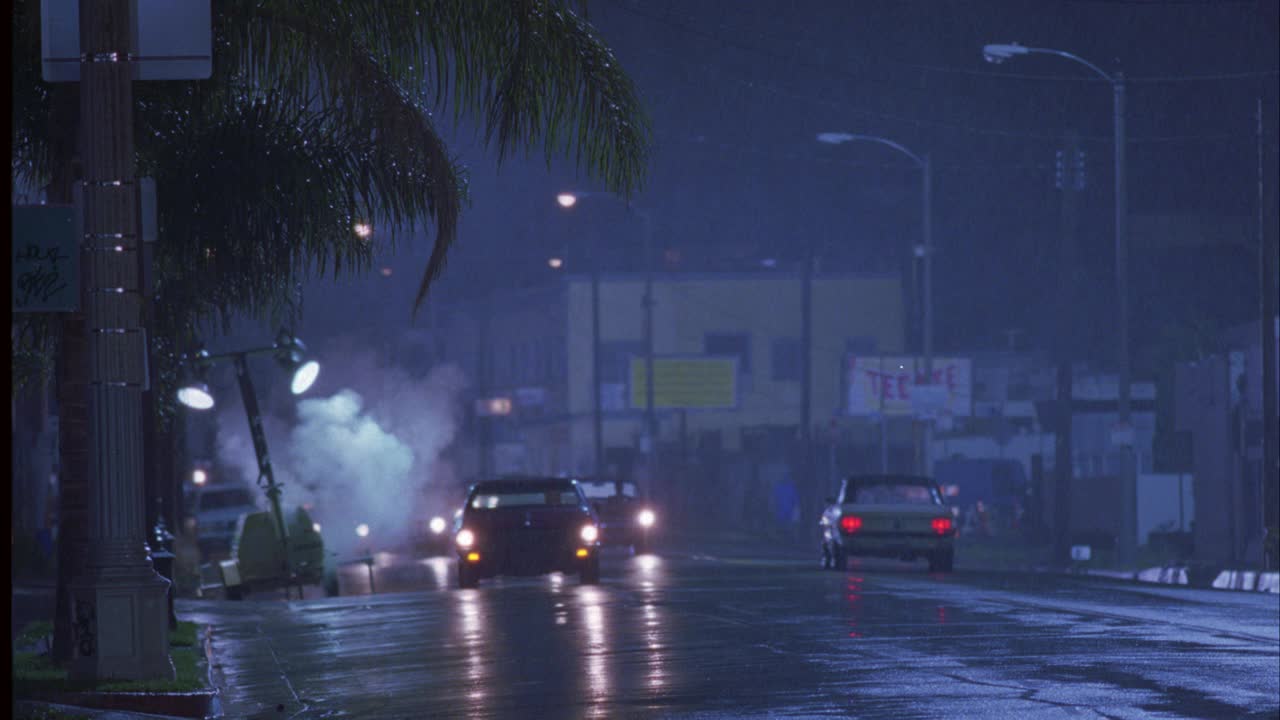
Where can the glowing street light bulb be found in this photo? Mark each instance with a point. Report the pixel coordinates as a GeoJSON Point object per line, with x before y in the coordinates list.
{"type": "Point", "coordinates": [363, 230]}
{"type": "Point", "coordinates": [362, 530]}
{"type": "Point", "coordinates": [567, 200]}
{"type": "Point", "coordinates": [555, 263]}
{"type": "Point", "coordinates": [199, 477]}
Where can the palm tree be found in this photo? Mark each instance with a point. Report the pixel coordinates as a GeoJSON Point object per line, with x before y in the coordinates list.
{"type": "Point", "coordinates": [316, 117]}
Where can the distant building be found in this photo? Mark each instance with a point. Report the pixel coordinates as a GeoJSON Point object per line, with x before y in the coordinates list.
{"type": "Point", "coordinates": [1219, 410]}
{"type": "Point", "coordinates": [533, 348]}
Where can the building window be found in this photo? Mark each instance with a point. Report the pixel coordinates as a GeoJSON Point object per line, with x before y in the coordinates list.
{"type": "Point", "coordinates": [786, 359]}
{"type": "Point", "coordinates": [860, 346]}
{"type": "Point", "coordinates": [730, 344]}
{"type": "Point", "coordinates": [615, 360]}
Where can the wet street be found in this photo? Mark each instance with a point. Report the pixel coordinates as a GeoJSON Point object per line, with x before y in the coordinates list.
{"type": "Point", "coordinates": [747, 635]}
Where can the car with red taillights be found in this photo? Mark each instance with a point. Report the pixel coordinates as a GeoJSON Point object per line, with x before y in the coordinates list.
{"type": "Point", "coordinates": [527, 526]}
{"type": "Point", "coordinates": [893, 516]}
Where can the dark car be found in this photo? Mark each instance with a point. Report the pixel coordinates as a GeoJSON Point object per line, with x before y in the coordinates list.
{"type": "Point", "coordinates": [527, 526]}
{"type": "Point", "coordinates": [896, 516]}
{"type": "Point", "coordinates": [625, 520]}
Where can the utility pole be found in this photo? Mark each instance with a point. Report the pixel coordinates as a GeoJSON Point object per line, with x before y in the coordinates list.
{"type": "Point", "coordinates": [118, 607]}
{"type": "Point", "coordinates": [1070, 180]}
{"type": "Point", "coordinates": [1128, 461]}
{"type": "Point", "coordinates": [597, 405]}
{"type": "Point", "coordinates": [804, 485]}
{"type": "Point", "coordinates": [650, 419]}
{"type": "Point", "coordinates": [484, 368]}
{"type": "Point", "coordinates": [1269, 267]}
{"type": "Point", "coordinates": [926, 172]}
{"type": "Point", "coordinates": [72, 393]}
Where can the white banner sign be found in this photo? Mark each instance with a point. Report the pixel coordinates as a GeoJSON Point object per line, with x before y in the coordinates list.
{"type": "Point", "coordinates": [879, 385]}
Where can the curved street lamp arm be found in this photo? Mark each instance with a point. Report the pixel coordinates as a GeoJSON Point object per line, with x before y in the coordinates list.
{"type": "Point", "coordinates": [845, 137]}
{"type": "Point", "coordinates": [1072, 56]}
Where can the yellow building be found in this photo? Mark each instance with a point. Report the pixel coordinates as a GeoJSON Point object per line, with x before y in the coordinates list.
{"type": "Point", "coordinates": [534, 348]}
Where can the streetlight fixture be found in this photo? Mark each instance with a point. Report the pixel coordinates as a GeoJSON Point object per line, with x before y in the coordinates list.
{"type": "Point", "coordinates": [290, 353]}
{"type": "Point", "coordinates": [568, 200]}
{"type": "Point", "coordinates": [923, 251]}
{"type": "Point", "coordinates": [998, 53]}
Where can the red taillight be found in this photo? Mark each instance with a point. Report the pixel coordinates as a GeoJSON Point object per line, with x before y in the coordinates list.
{"type": "Point", "coordinates": [942, 525]}
{"type": "Point", "coordinates": [849, 524]}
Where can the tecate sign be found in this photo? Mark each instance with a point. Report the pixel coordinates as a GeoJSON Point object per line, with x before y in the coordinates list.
{"type": "Point", "coordinates": [879, 385]}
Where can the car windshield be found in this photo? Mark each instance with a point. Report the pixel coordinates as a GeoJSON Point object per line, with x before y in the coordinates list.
{"type": "Point", "coordinates": [604, 489]}
{"type": "Point", "coordinates": [498, 499]}
{"type": "Point", "coordinates": [888, 492]}
{"type": "Point", "coordinates": [221, 499]}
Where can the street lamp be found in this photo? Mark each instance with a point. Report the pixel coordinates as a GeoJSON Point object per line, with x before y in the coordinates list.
{"type": "Point", "coordinates": [290, 353]}
{"type": "Point", "coordinates": [998, 53]}
{"type": "Point", "coordinates": [923, 251]}
{"type": "Point", "coordinates": [568, 200]}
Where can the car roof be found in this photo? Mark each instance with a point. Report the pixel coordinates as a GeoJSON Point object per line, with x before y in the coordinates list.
{"type": "Point", "coordinates": [890, 479]}
{"type": "Point", "coordinates": [516, 483]}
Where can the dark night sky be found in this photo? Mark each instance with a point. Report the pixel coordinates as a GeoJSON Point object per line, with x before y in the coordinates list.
{"type": "Point", "coordinates": [738, 90]}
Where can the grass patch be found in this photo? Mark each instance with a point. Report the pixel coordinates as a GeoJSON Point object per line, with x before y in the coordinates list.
{"type": "Point", "coordinates": [185, 635]}
{"type": "Point", "coordinates": [35, 633]}
{"type": "Point", "coordinates": [36, 674]}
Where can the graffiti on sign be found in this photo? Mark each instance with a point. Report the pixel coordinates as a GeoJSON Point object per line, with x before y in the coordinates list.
{"type": "Point", "coordinates": [45, 265]}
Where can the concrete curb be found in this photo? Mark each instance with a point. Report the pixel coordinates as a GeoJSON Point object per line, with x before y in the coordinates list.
{"type": "Point", "coordinates": [1235, 580]}
{"type": "Point", "coordinates": [33, 707]}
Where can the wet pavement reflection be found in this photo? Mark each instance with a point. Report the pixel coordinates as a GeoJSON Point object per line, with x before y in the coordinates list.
{"type": "Point", "coordinates": [710, 637]}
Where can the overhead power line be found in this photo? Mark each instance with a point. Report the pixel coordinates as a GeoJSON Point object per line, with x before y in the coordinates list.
{"type": "Point", "coordinates": [756, 85]}
{"type": "Point", "coordinates": [690, 29]}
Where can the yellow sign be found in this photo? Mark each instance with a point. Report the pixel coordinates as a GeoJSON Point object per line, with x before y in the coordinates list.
{"type": "Point", "coordinates": [701, 383]}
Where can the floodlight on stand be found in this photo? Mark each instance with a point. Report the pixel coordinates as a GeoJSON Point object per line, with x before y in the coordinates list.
{"type": "Point", "coordinates": [194, 391]}
{"type": "Point", "coordinates": [291, 354]}
{"type": "Point", "coordinates": [304, 377]}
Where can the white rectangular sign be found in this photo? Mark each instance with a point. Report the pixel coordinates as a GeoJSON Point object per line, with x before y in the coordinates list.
{"type": "Point", "coordinates": [879, 385]}
{"type": "Point", "coordinates": [172, 39]}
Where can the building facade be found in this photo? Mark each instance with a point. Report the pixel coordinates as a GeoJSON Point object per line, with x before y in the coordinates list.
{"type": "Point", "coordinates": [530, 351]}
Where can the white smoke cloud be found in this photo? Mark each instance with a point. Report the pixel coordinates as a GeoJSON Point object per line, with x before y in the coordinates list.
{"type": "Point", "coordinates": [366, 446]}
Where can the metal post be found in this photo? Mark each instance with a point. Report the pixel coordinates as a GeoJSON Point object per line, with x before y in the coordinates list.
{"type": "Point", "coordinates": [1064, 467]}
{"type": "Point", "coordinates": [118, 589]}
{"type": "Point", "coordinates": [650, 420]}
{"type": "Point", "coordinates": [250, 399]}
{"type": "Point", "coordinates": [926, 170]}
{"type": "Point", "coordinates": [1269, 267]}
{"type": "Point", "coordinates": [1128, 464]}
{"type": "Point", "coordinates": [805, 484]}
{"type": "Point", "coordinates": [597, 408]}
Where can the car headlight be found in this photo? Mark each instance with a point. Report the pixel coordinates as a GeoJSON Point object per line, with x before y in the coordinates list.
{"type": "Point", "coordinates": [465, 538]}
{"type": "Point", "coordinates": [646, 518]}
{"type": "Point", "coordinates": [589, 533]}
{"type": "Point", "coordinates": [437, 525]}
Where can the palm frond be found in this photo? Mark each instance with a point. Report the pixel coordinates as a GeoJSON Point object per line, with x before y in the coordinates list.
{"type": "Point", "coordinates": [533, 69]}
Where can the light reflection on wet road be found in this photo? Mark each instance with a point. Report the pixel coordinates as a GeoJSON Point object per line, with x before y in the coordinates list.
{"type": "Point", "coordinates": [741, 637]}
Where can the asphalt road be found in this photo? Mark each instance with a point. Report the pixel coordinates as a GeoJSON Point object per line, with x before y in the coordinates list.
{"type": "Point", "coordinates": [747, 635]}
